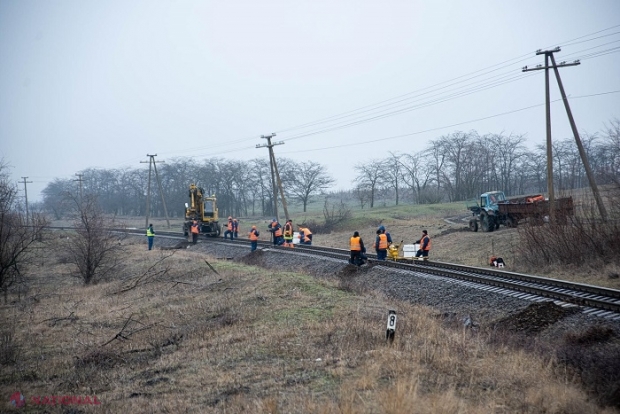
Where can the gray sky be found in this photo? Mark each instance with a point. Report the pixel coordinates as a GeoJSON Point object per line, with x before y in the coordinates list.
{"type": "Point", "coordinates": [99, 84]}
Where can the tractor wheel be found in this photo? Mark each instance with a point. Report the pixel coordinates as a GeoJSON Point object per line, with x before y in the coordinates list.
{"type": "Point", "coordinates": [473, 225]}
{"type": "Point", "coordinates": [487, 223]}
{"type": "Point", "coordinates": [511, 222]}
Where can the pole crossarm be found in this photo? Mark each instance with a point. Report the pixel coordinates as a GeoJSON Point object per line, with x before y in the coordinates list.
{"type": "Point", "coordinates": [275, 175]}
{"type": "Point", "coordinates": [584, 159]}
{"type": "Point", "coordinates": [153, 163]}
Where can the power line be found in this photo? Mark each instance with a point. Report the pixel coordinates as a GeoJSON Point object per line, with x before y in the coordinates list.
{"type": "Point", "coordinates": [446, 126]}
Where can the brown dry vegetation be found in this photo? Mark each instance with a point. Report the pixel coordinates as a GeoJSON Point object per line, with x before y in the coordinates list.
{"type": "Point", "coordinates": [177, 337]}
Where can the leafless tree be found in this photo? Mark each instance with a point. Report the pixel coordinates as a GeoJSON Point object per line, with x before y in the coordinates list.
{"type": "Point", "coordinates": [416, 174]}
{"type": "Point", "coordinates": [370, 177]}
{"type": "Point", "coordinates": [362, 195]}
{"type": "Point", "coordinates": [393, 174]}
{"type": "Point", "coordinates": [310, 179]}
{"type": "Point", "coordinates": [93, 247]}
{"type": "Point", "coordinates": [17, 234]}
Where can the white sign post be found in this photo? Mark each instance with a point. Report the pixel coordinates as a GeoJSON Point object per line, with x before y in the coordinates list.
{"type": "Point", "coordinates": [391, 326]}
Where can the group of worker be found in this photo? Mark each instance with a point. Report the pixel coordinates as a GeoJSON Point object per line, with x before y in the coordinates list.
{"type": "Point", "coordinates": [283, 235]}
{"type": "Point", "coordinates": [381, 244]}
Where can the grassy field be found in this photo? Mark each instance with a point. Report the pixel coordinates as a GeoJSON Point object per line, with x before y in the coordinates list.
{"type": "Point", "coordinates": [167, 334]}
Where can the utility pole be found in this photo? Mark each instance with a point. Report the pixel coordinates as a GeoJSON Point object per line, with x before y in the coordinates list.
{"type": "Point", "coordinates": [275, 175]}
{"type": "Point", "coordinates": [26, 194]}
{"type": "Point", "coordinates": [152, 162]}
{"type": "Point", "coordinates": [80, 180]}
{"type": "Point", "coordinates": [584, 159]}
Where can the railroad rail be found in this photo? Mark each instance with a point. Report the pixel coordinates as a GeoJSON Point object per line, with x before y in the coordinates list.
{"type": "Point", "coordinates": [594, 300]}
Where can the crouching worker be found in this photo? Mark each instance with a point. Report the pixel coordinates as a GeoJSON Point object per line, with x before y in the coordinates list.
{"type": "Point", "coordinates": [305, 235]}
{"type": "Point", "coordinates": [425, 245]}
{"type": "Point", "coordinates": [357, 250]}
{"type": "Point", "coordinates": [253, 236]}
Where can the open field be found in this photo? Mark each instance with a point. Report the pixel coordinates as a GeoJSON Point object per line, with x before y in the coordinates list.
{"type": "Point", "coordinates": [167, 334]}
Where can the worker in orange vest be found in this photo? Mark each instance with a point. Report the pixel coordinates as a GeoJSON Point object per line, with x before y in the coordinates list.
{"type": "Point", "coordinates": [276, 229]}
{"type": "Point", "coordinates": [253, 238]}
{"type": "Point", "coordinates": [381, 245]}
{"type": "Point", "coordinates": [288, 233]}
{"type": "Point", "coordinates": [195, 230]}
{"type": "Point", "coordinates": [229, 229]}
{"type": "Point", "coordinates": [357, 250]}
{"type": "Point", "coordinates": [305, 235]}
{"type": "Point", "coordinates": [425, 245]}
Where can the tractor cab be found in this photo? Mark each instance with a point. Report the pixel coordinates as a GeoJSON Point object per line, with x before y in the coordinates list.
{"type": "Point", "coordinates": [488, 201]}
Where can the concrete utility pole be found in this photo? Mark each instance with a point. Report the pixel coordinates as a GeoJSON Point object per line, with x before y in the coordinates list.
{"type": "Point", "coordinates": [584, 159]}
{"type": "Point", "coordinates": [26, 195]}
{"type": "Point", "coordinates": [275, 175]}
{"type": "Point", "coordinates": [152, 162]}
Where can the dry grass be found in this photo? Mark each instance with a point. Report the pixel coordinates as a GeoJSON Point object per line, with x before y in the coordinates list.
{"type": "Point", "coordinates": [254, 340]}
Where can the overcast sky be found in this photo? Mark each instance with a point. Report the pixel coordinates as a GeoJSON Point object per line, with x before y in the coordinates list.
{"type": "Point", "coordinates": [99, 84]}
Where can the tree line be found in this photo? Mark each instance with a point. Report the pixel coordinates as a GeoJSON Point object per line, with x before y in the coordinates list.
{"type": "Point", "coordinates": [454, 167]}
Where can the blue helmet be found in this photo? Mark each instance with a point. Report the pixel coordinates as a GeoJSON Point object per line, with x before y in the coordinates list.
{"type": "Point", "coordinates": [274, 220]}
{"type": "Point", "coordinates": [381, 228]}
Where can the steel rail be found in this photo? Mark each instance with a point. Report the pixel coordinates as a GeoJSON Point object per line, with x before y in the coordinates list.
{"type": "Point", "coordinates": [569, 292]}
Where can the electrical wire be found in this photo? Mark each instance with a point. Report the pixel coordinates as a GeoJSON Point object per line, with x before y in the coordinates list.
{"type": "Point", "coordinates": [447, 126]}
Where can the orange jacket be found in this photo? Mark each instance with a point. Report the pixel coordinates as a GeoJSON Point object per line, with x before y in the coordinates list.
{"type": "Point", "coordinates": [253, 235]}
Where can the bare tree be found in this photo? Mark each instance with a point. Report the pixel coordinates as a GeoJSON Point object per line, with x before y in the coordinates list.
{"type": "Point", "coordinates": [93, 248]}
{"type": "Point", "coordinates": [370, 178]}
{"type": "Point", "coordinates": [16, 237]}
{"type": "Point", "coordinates": [393, 174]}
{"type": "Point", "coordinates": [415, 173]}
{"type": "Point", "coordinates": [362, 195]}
{"type": "Point", "coordinates": [310, 179]}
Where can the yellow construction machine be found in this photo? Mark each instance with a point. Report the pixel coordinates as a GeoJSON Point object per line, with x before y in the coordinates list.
{"type": "Point", "coordinates": [202, 209]}
{"type": "Point", "coordinates": [395, 251]}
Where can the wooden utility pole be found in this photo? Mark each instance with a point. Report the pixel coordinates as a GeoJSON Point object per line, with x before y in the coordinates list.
{"type": "Point", "coordinates": [584, 159]}
{"type": "Point", "coordinates": [26, 196]}
{"type": "Point", "coordinates": [80, 180]}
{"type": "Point", "coordinates": [153, 163]}
{"type": "Point", "coordinates": [275, 175]}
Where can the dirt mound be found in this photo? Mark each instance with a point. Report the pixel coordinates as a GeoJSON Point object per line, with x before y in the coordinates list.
{"type": "Point", "coordinates": [255, 258]}
{"type": "Point", "coordinates": [348, 270]}
{"type": "Point", "coordinates": [535, 318]}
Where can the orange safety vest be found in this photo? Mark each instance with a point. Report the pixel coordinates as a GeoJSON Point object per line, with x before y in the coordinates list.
{"type": "Point", "coordinates": [428, 246]}
{"type": "Point", "coordinates": [253, 236]}
{"type": "Point", "coordinates": [306, 233]}
{"type": "Point", "coordinates": [288, 231]}
{"type": "Point", "coordinates": [195, 229]}
{"type": "Point", "coordinates": [355, 244]}
{"type": "Point", "coordinates": [278, 232]}
{"type": "Point", "coordinates": [383, 243]}
{"type": "Point", "coordinates": [230, 225]}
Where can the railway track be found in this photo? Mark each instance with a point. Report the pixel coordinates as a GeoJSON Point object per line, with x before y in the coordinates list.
{"type": "Point", "coordinates": [594, 300]}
